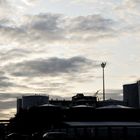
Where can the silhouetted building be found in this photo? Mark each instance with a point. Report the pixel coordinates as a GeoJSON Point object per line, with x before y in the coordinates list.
{"type": "Point", "coordinates": [81, 120]}
{"type": "Point", "coordinates": [27, 102]}
{"type": "Point", "coordinates": [109, 102]}
{"type": "Point", "coordinates": [19, 104]}
{"type": "Point", "coordinates": [131, 94]}
{"type": "Point", "coordinates": [62, 103]}
{"type": "Point", "coordinates": [80, 99]}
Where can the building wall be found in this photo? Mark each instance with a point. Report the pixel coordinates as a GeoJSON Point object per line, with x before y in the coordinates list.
{"type": "Point", "coordinates": [138, 83]}
{"type": "Point", "coordinates": [34, 100]}
{"type": "Point", "coordinates": [19, 104]}
{"type": "Point", "coordinates": [80, 99]}
{"type": "Point", "coordinates": [25, 102]}
{"type": "Point", "coordinates": [131, 95]}
{"type": "Point", "coordinates": [110, 102]}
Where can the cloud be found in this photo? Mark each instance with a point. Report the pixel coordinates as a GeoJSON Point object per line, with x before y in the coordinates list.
{"type": "Point", "coordinates": [4, 81]}
{"type": "Point", "coordinates": [129, 10]}
{"type": "Point", "coordinates": [58, 27]}
{"type": "Point", "coordinates": [45, 27]}
{"type": "Point", "coordinates": [7, 103]}
{"type": "Point", "coordinates": [11, 35]}
{"type": "Point", "coordinates": [30, 1]}
{"type": "Point", "coordinates": [51, 66]}
{"type": "Point", "coordinates": [6, 84]}
{"type": "Point", "coordinates": [52, 74]}
{"type": "Point", "coordinates": [37, 29]}
{"type": "Point", "coordinates": [132, 4]}
{"type": "Point", "coordinates": [49, 28]}
{"type": "Point", "coordinates": [14, 54]}
{"type": "Point", "coordinates": [91, 27]}
{"type": "Point", "coordinates": [94, 23]}
{"type": "Point", "coordinates": [5, 113]}
{"type": "Point", "coordinates": [116, 94]}
{"type": "Point", "coordinates": [3, 78]}
{"type": "Point", "coordinates": [3, 2]}
{"type": "Point", "coordinates": [9, 97]}
{"type": "Point", "coordinates": [5, 9]}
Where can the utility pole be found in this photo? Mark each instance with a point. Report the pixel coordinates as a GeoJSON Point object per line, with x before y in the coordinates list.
{"type": "Point", "coordinates": [103, 64]}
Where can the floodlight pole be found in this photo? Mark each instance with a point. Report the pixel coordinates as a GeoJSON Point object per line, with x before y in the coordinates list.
{"type": "Point", "coordinates": [103, 64]}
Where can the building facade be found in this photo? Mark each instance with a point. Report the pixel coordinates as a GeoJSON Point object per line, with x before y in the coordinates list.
{"type": "Point", "coordinates": [26, 102]}
{"type": "Point", "coordinates": [81, 99]}
{"type": "Point", "coordinates": [131, 94]}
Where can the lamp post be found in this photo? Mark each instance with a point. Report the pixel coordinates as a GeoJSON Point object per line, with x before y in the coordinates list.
{"type": "Point", "coordinates": [103, 64]}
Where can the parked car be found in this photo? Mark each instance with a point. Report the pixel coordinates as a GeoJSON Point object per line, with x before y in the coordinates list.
{"type": "Point", "coordinates": [55, 136]}
{"type": "Point", "coordinates": [16, 136]}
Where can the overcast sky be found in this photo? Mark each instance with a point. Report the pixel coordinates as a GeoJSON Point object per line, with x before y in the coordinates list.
{"type": "Point", "coordinates": [56, 47]}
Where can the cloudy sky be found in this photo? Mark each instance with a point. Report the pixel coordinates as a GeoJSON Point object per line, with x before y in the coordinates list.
{"type": "Point", "coordinates": [56, 47]}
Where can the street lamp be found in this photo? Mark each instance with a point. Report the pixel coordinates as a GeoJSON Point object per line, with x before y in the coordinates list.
{"type": "Point", "coordinates": [103, 64]}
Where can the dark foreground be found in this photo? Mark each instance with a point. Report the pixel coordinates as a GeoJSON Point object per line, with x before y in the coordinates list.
{"type": "Point", "coordinates": [84, 123]}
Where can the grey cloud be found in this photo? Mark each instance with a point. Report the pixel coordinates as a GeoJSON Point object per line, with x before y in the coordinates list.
{"type": "Point", "coordinates": [114, 90]}
{"type": "Point", "coordinates": [54, 23]}
{"type": "Point", "coordinates": [30, 1]}
{"type": "Point", "coordinates": [51, 66]}
{"type": "Point", "coordinates": [90, 23]}
{"type": "Point", "coordinates": [11, 35]}
{"type": "Point", "coordinates": [46, 27]}
{"type": "Point", "coordinates": [7, 101]}
{"type": "Point", "coordinates": [4, 96]}
{"type": "Point", "coordinates": [114, 94]}
{"type": "Point", "coordinates": [11, 97]}
{"type": "Point", "coordinates": [3, 78]}
{"type": "Point", "coordinates": [7, 104]}
{"type": "Point", "coordinates": [55, 27]}
{"type": "Point", "coordinates": [4, 81]}
{"type": "Point", "coordinates": [2, 73]}
{"type": "Point", "coordinates": [136, 1]}
{"type": "Point", "coordinates": [3, 2]}
{"type": "Point", "coordinates": [5, 9]}
{"type": "Point", "coordinates": [133, 4]}
{"type": "Point", "coordinates": [37, 29]}
{"type": "Point", "coordinates": [4, 21]}
{"type": "Point", "coordinates": [13, 54]}
{"type": "Point", "coordinates": [47, 22]}
{"type": "Point", "coordinates": [5, 84]}
{"type": "Point", "coordinates": [12, 31]}
{"type": "Point", "coordinates": [48, 83]}
{"type": "Point", "coordinates": [17, 52]}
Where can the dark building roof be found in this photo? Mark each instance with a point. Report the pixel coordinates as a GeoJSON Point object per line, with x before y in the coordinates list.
{"type": "Point", "coordinates": [82, 106]}
{"type": "Point", "coordinates": [114, 107]}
